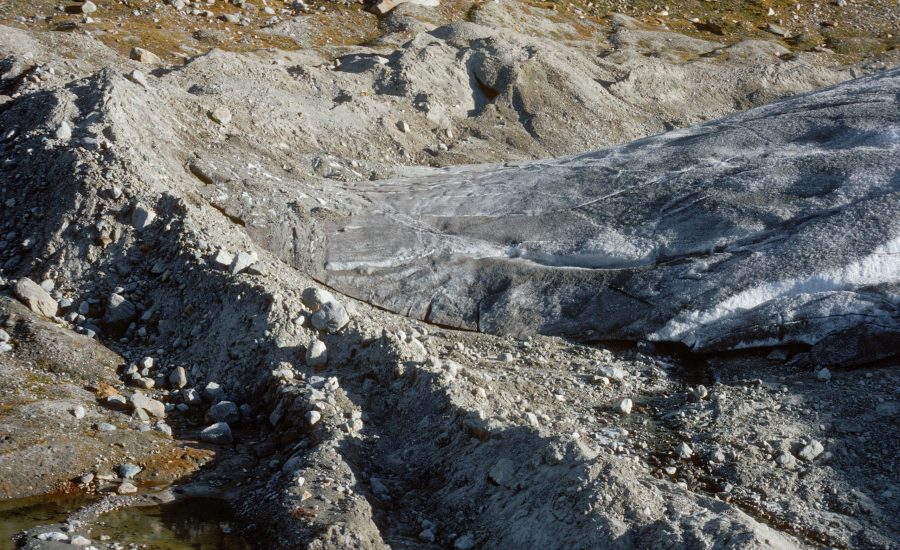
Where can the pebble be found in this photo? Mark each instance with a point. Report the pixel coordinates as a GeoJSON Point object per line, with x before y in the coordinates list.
{"type": "Point", "coordinates": [503, 473]}
{"type": "Point", "coordinates": [213, 392]}
{"type": "Point", "coordinates": [106, 427]}
{"type": "Point", "coordinates": [683, 450]}
{"type": "Point", "coordinates": [810, 451]}
{"type": "Point", "coordinates": [625, 406]}
{"type": "Point", "coordinates": [78, 412]}
{"type": "Point", "coordinates": [139, 78]}
{"type": "Point", "coordinates": [316, 354]}
{"type": "Point", "coordinates": [786, 460]}
{"type": "Point", "coordinates": [88, 7]}
{"type": "Point", "coordinates": [117, 402]}
{"type": "Point", "coordinates": [178, 378]}
{"type": "Point", "coordinates": [465, 542]}
{"type": "Point", "coordinates": [777, 30]}
{"type": "Point", "coordinates": [505, 357]}
{"type": "Point", "coordinates": [78, 540]}
{"type": "Point", "coordinates": [128, 470]}
{"type": "Point", "coordinates": [823, 374]}
{"type": "Point", "coordinates": [4, 336]}
{"type": "Point", "coordinates": [142, 217]}
{"type": "Point", "coordinates": [220, 115]}
{"type": "Point", "coordinates": [126, 488]}
{"type": "Point", "coordinates": [144, 56]}
{"type": "Point", "coordinates": [314, 298]}
{"type": "Point", "coordinates": [223, 259]}
{"type": "Point", "coordinates": [64, 131]}
{"type": "Point", "coordinates": [242, 261]}
{"type": "Point", "coordinates": [330, 317]}
{"type": "Point", "coordinates": [700, 393]}
{"type": "Point", "coordinates": [452, 369]}
{"type": "Point", "coordinates": [313, 417]}
{"type": "Point", "coordinates": [403, 126]}
{"type": "Point", "coordinates": [218, 433]}
{"type": "Point", "coordinates": [612, 372]}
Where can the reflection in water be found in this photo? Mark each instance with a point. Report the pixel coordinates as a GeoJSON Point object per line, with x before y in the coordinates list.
{"type": "Point", "coordinates": [24, 513]}
{"type": "Point", "coordinates": [198, 524]}
{"type": "Point", "coordinates": [195, 524]}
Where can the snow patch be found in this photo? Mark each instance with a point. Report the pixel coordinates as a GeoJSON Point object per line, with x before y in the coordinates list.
{"type": "Point", "coordinates": [881, 266]}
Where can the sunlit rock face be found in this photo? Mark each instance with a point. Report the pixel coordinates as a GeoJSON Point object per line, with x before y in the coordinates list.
{"type": "Point", "coordinates": [778, 225]}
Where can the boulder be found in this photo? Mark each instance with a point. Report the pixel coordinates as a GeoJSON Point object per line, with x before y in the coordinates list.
{"type": "Point", "coordinates": [218, 433]}
{"type": "Point", "coordinates": [118, 315]}
{"type": "Point", "coordinates": [36, 298]}
{"type": "Point", "coordinates": [150, 405]}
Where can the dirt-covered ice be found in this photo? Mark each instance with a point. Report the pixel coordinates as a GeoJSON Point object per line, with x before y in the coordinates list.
{"type": "Point", "coordinates": [177, 217]}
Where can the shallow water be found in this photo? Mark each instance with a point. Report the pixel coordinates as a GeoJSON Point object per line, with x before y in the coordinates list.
{"type": "Point", "coordinates": [25, 513]}
{"type": "Point", "coordinates": [199, 524]}
{"type": "Point", "coordinates": [196, 524]}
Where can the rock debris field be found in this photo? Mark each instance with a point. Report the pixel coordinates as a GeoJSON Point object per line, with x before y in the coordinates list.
{"type": "Point", "coordinates": [506, 276]}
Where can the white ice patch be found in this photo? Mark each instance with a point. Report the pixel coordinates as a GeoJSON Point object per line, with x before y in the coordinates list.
{"type": "Point", "coordinates": [609, 249]}
{"type": "Point", "coordinates": [881, 266]}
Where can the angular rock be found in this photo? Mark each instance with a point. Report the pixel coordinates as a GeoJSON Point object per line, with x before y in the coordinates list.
{"type": "Point", "coordinates": [152, 406]}
{"type": "Point", "coordinates": [128, 470]}
{"type": "Point", "coordinates": [126, 488]}
{"type": "Point", "coordinates": [683, 451]}
{"type": "Point", "coordinates": [503, 473]}
{"type": "Point", "coordinates": [312, 417]}
{"type": "Point", "coordinates": [613, 372]}
{"type": "Point", "coordinates": [140, 78]}
{"type": "Point", "coordinates": [213, 392]}
{"type": "Point", "coordinates": [811, 451]}
{"type": "Point", "coordinates": [220, 115]}
{"type": "Point", "coordinates": [178, 378]}
{"type": "Point", "coordinates": [191, 397]}
{"type": "Point", "coordinates": [223, 259]}
{"type": "Point", "coordinates": [36, 298]}
{"type": "Point", "coordinates": [316, 354]}
{"type": "Point", "coordinates": [313, 298]}
{"type": "Point", "coordinates": [118, 315]}
{"type": "Point", "coordinates": [142, 217]}
{"type": "Point", "coordinates": [330, 317]}
{"type": "Point", "coordinates": [64, 131]}
{"type": "Point", "coordinates": [145, 56]}
{"type": "Point", "coordinates": [242, 261]}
